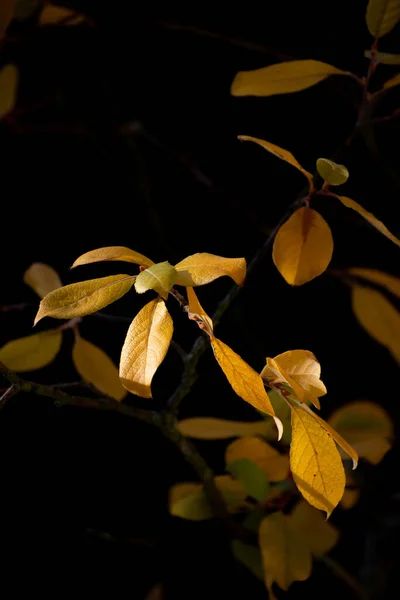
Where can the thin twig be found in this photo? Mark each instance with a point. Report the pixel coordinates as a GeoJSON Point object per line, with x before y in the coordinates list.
{"type": "Point", "coordinates": [11, 391]}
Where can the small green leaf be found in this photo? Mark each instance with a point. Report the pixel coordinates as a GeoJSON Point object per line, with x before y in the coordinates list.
{"type": "Point", "coordinates": [249, 556]}
{"type": "Point", "coordinates": [331, 172]}
{"type": "Point", "coordinates": [159, 277]}
{"type": "Point", "coordinates": [252, 477]}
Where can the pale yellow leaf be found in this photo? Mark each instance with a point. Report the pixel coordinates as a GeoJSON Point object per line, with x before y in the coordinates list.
{"type": "Point", "coordinates": [31, 352]}
{"type": "Point", "coordinates": [196, 310]}
{"type": "Point", "coordinates": [378, 317]}
{"type": "Point", "coordinates": [303, 247]}
{"type": "Point", "coordinates": [349, 203]}
{"type": "Point", "coordinates": [317, 533]}
{"type": "Point", "coordinates": [382, 16]}
{"type": "Point", "coordinates": [389, 282]}
{"type": "Point", "coordinates": [202, 268]}
{"type": "Point", "coordinates": [83, 298]}
{"type": "Point", "coordinates": [6, 14]}
{"type": "Point", "coordinates": [94, 366]}
{"type": "Point", "coordinates": [246, 382]}
{"type": "Point", "coordinates": [331, 172]}
{"type": "Point", "coordinates": [113, 253]}
{"type": "Point", "coordinates": [282, 78]}
{"type": "Point", "coordinates": [146, 344]}
{"type": "Point", "coordinates": [280, 153]}
{"type": "Point", "coordinates": [274, 464]}
{"type": "Point", "coordinates": [53, 15]}
{"type": "Point", "coordinates": [160, 278]}
{"type": "Point", "coordinates": [208, 428]}
{"type": "Point", "coordinates": [286, 558]}
{"type": "Point", "coordinates": [42, 278]}
{"type": "Point", "coordinates": [315, 462]}
{"type": "Point", "coordinates": [8, 89]}
{"type": "Point", "coordinates": [383, 57]}
{"type": "Point", "coordinates": [392, 82]}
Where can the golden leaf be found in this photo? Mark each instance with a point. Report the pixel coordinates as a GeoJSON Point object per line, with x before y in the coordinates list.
{"type": "Point", "coordinates": [42, 278]}
{"type": "Point", "coordinates": [282, 78]}
{"type": "Point", "coordinates": [202, 268]}
{"type": "Point", "coordinates": [208, 428]}
{"type": "Point", "coordinates": [349, 203]}
{"type": "Point", "coordinates": [55, 15]}
{"type": "Point", "coordinates": [315, 462]}
{"type": "Point", "coordinates": [8, 89]}
{"type": "Point", "coordinates": [317, 533]}
{"type": "Point", "coordinates": [389, 282]}
{"type": "Point", "coordinates": [195, 309]}
{"type": "Point", "coordinates": [392, 81]}
{"type": "Point", "coordinates": [303, 247]}
{"type": "Point", "coordinates": [280, 153]}
{"type": "Point", "coordinates": [382, 16]}
{"type": "Point", "coordinates": [246, 382]}
{"type": "Point", "coordinates": [146, 344]}
{"type": "Point", "coordinates": [94, 366]}
{"type": "Point", "coordinates": [83, 298]}
{"type": "Point", "coordinates": [331, 172]}
{"type": "Point", "coordinates": [159, 277]}
{"type": "Point", "coordinates": [113, 253]}
{"type": "Point", "coordinates": [378, 317]}
{"type": "Point", "coordinates": [274, 464]}
{"type": "Point", "coordinates": [188, 500]}
{"type": "Point", "coordinates": [285, 556]}
{"type": "Point", "coordinates": [31, 352]}
{"type": "Point", "coordinates": [6, 15]}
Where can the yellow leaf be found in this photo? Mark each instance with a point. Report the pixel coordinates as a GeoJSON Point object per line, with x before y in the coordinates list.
{"type": "Point", "coordinates": [94, 366]}
{"type": "Point", "coordinates": [31, 352]}
{"type": "Point", "coordinates": [392, 82]}
{"type": "Point", "coordinates": [315, 462]}
{"type": "Point", "coordinates": [280, 153]}
{"type": "Point", "coordinates": [274, 464]}
{"type": "Point", "coordinates": [196, 310]}
{"type": "Point", "coordinates": [145, 347]}
{"type": "Point", "coordinates": [54, 15]}
{"type": "Point", "coordinates": [300, 370]}
{"type": "Point", "coordinates": [208, 428]}
{"type": "Point", "coordinates": [378, 317]}
{"type": "Point", "coordinates": [320, 535]}
{"type": "Point", "coordinates": [188, 500]}
{"type": "Point", "coordinates": [331, 172]}
{"type": "Point", "coordinates": [42, 278]}
{"type": "Point", "coordinates": [285, 556]}
{"type": "Point", "coordinates": [382, 16]}
{"type": "Point", "coordinates": [113, 253]}
{"type": "Point", "coordinates": [246, 382]}
{"type": "Point", "coordinates": [389, 282]}
{"type": "Point", "coordinates": [303, 247]}
{"type": "Point", "coordinates": [282, 78]}
{"type": "Point", "coordinates": [383, 57]}
{"type": "Point", "coordinates": [202, 268]}
{"type": "Point", "coordinates": [83, 298]}
{"type": "Point", "coordinates": [8, 89]}
{"type": "Point", "coordinates": [6, 15]}
{"type": "Point", "coordinates": [159, 277]}
{"type": "Point", "coordinates": [349, 203]}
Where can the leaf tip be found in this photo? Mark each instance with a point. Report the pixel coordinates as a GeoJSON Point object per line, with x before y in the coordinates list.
{"type": "Point", "coordinates": [279, 426]}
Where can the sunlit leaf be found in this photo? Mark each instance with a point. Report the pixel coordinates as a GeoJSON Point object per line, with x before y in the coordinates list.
{"type": "Point", "coordinates": [113, 253]}
{"type": "Point", "coordinates": [282, 78]}
{"type": "Point", "coordinates": [145, 347]}
{"type": "Point", "coordinates": [159, 277]}
{"type": "Point", "coordinates": [392, 82]}
{"type": "Point", "coordinates": [54, 15]}
{"type": "Point", "coordinates": [31, 352]}
{"type": "Point", "coordinates": [280, 153]}
{"type": "Point", "coordinates": [94, 366]}
{"type": "Point", "coordinates": [285, 556]}
{"type": "Point", "coordinates": [382, 16]}
{"type": "Point", "coordinates": [303, 247]}
{"type": "Point", "coordinates": [252, 477]}
{"type": "Point", "coordinates": [315, 462]}
{"type": "Point", "coordinates": [196, 310]}
{"type": "Point", "coordinates": [249, 556]}
{"type": "Point", "coordinates": [188, 500]}
{"type": "Point", "coordinates": [389, 282]}
{"type": "Point", "coordinates": [274, 465]}
{"type": "Point", "coordinates": [384, 57]}
{"type": "Point", "coordinates": [42, 278]}
{"type": "Point", "coordinates": [331, 172]}
{"type": "Point", "coordinates": [349, 203]}
{"type": "Point", "coordinates": [320, 535]}
{"type": "Point", "coordinates": [202, 268]}
{"type": "Point", "coordinates": [246, 382]}
{"type": "Point", "coordinates": [83, 298]}
{"type": "Point", "coordinates": [8, 89]}
{"type": "Point", "coordinates": [208, 428]}
{"type": "Point", "coordinates": [6, 14]}
{"type": "Point", "coordinates": [378, 317]}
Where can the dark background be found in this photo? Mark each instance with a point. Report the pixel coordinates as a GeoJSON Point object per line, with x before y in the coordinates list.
{"type": "Point", "coordinates": [125, 134]}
